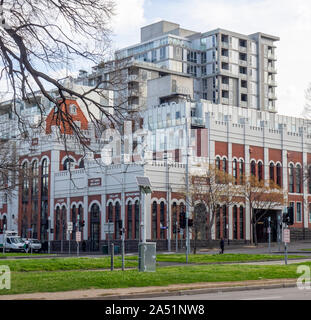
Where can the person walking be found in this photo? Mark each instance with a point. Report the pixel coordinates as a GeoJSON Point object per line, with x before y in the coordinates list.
{"type": "Point", "coordinates": [222, 246]}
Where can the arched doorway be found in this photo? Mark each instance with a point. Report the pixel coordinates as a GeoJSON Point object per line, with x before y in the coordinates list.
{"type": "Point", "coordinates": [95, 227]}
{"type": "Point", "coordinates": [200, 222]}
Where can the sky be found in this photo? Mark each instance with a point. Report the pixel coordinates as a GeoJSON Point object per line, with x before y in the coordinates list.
{"type": "Point", "coordinates": [287, 19]}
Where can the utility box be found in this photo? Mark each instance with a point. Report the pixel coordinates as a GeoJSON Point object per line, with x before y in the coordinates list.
{"type": "Point", "coordinates": [147, 257]}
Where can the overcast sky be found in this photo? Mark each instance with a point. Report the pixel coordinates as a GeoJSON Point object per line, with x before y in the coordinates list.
{"type": "Point", "coordinates": [287, 19]}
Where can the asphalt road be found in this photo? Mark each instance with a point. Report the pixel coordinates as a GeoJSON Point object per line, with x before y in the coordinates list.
{"type": "Point", "coordinates": [262, 294]}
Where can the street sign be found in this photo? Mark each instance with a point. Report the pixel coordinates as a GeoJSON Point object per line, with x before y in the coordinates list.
{"type": "Point", "coordinates": [78, 236]}
{"type": "Point", "coordinates": [286, 235]}
{"type": "Point", "coordinates": [69, 226]}
{"type": "Point", "coordinates": [269, 230]}
{"type": "Point", "coordinates": [109, 227]}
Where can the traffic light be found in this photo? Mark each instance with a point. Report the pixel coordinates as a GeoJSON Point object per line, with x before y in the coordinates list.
{"type": "Point", "coordinates": [182, 221]}
{"type": "Point", "coordinates": [82, 224]}
{"type": "Point", "coordinates": [290, 212]}
{"type": "Point", "coordinates": [120, 224]}
{"type": "Point", "coordinates": [289, 216]}
{"type": "Point", "coordinates": [190, 222]}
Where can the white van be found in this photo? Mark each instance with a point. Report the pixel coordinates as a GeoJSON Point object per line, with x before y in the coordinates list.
{"type": "Point", "coordinates": [11, 242]}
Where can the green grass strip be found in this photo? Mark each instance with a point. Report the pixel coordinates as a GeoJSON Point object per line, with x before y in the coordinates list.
{"type": "Point", "coordinates": [215, 258]}
{"type": "Point", "coordinates": [62, 264]}
{"type": "Point", "coordinates": [23, 282]}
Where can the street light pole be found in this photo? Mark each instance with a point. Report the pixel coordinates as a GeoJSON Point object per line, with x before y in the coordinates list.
{"type": "Point", "coordinates": [123, 211]}
{"type": "Point", "coordinates": [187, 193]}
{"type": "Point", "coordinates": [49, 243]}
{"type": "Point", "coordinates": [168, 206]}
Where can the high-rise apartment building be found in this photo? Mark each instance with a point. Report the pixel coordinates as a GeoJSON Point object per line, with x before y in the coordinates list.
{"type": "Point", "coordinates": [227, 67]}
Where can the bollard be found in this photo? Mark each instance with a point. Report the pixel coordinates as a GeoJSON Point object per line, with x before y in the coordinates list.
{"type": "Point", "coordinates": [111, 254]}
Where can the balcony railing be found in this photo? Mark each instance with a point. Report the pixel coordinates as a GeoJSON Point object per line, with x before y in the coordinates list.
{"type": "Point", "coordinates": [272, 56]}
{"type": "Point", "coordinates": [272, 69]}
{"type": "Point", "coordinates": [272, 83]}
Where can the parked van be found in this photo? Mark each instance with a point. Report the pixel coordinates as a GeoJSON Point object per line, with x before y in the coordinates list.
{"type": "Point", "coordinates": [11, 242]}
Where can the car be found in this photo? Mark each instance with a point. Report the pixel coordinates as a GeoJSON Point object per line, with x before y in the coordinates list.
{"type": "Point", "coordinates": [33, 244]}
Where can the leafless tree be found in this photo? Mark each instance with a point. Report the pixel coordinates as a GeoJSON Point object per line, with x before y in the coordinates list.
{"type": "Point", "coordinates": [209, 188]}
{"type": "Point", "coordinates": [37, 38]}
{"type": "Point", "coordinates": [307, 108]}
{"type": "Point", "coordinates": [261, 195]}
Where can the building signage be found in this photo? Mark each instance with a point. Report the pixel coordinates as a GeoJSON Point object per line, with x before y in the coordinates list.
{"type": "Point", "coordinates": [132, 194]}
{"type": "Point", "coordinates": [95, 182]}
{"type": "Point", "coordinates": [62, 200]}
{"type": "Point", "coordinates": [113, 196]}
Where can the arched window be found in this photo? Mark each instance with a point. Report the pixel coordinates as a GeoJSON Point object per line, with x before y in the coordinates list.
{"type": "Point", "coordinates": [224, 221]}
{"type": "Point", "coordinates": [129, 220]}
{"type": "Point", "coordinates": [162, 220]}
{"type": "Point", "coordinates": [260, 171]}
{"type": "Point", "coordinates": [279, 175]}
{"type": "Point", "coordinates": [174, 220]}
{"type": "Point", "coordinates": [154, 220]}
{"type": "Point", "coordinates": [80, 214]}
{"type": "Point", "coordinates": [224, 165]}
{"type": "Point", "coordinates": [298, 178]}
{"type": "Point", "coordinates": [241, 170]}
{"type": "Point", "coordinates": [63, 222]}
{"type": "Point", "coordinates": [25, 185]}
{"type": "Point", "coordinates": [136, 219]}
{"type": "Point", "coordinates": [235, 170]}
{"type": "Point", "coordinates": [35, 174]}
{"type": "Point", "coordinates": [235, 222]}
{"type": "Point", "coordinates": [217, 163]}
{"type": "Point", "coordinates": [74, 221]}
{"type": "Point", "coordinates": [57, 224]}
{"type": "Point", "coordinates": [117, 221]}
{"type": "Point", "coordinates": [67, 162]}
{"type": "Point", "coordinates": [253, 168]}
{"type": "Point", "coordinates": [218, 222]}
{"type": "Point", "coordinates": [110, 212]}
{"type": "Point", "coordinates": [44, 178]}
{"type": "Point", "coordinates": [291, 178]}
{"type": "Point", "coordinates": [271, 169]}
{"type": "Point", "coordinates": [95, 227]}
{"type": "Point", "coordinates": [241, 222]}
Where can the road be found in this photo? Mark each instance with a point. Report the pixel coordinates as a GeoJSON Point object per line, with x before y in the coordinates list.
{"type": "Point", "coordinates": [262, 294]}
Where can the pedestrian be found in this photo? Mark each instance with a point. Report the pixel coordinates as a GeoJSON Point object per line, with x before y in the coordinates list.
{"type": "Point", "coordinates": [222, 246]}
{"type": "Point", "coordinates": [26, 246]}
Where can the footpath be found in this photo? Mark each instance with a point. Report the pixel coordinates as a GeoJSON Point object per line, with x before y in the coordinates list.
{"type": "Point", "coordinates": [143, 292]}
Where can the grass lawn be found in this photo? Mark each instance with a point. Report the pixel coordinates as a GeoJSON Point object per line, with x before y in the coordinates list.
{"type": "Point", "coordinates": [214, 258]}
{"type": "Point", "coordinates": [305, 249]}
{"type": "Point", "coordinates": [61, 264]}
{"type": "Point", "coordinates": [27, 282]}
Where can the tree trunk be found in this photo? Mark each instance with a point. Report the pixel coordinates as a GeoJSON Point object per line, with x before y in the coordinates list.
{"type": "Point", "coordinates": [255, 233]}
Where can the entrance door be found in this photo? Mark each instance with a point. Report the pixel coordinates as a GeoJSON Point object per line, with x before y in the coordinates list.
{"type": "Point", "coordinates": [262, 225]}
